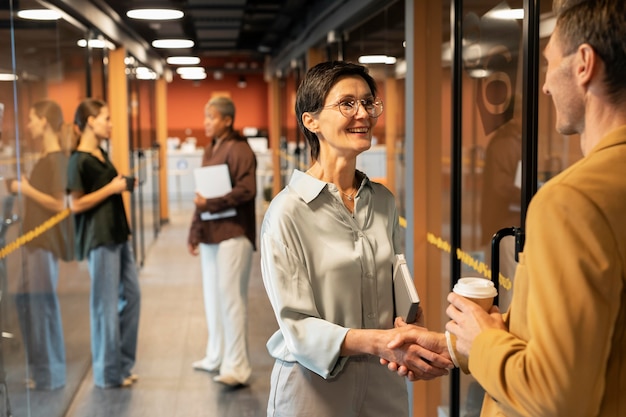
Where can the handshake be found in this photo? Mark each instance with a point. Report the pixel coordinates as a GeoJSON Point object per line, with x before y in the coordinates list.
{"type": "Point", "coordinates": [415, 352]}
{"type": "Point", "coordinates": [419, 354]}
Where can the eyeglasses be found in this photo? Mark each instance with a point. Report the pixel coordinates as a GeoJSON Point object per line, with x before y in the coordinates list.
{"type": "Point", "coordinates": [349, 107]}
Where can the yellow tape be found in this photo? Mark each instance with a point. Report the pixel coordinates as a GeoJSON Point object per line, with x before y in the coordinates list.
{"type": "Point", "coordinates": [467, 259]}
{"type": "Point", "coordinates": [32, 234]}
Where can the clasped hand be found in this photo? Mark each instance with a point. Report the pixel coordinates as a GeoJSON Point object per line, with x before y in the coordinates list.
{"type": "Point", "coordinates": [416, 353]}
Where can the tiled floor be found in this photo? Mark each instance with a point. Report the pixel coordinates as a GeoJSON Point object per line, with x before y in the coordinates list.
{"type": "Point", "coordinates": [173, 334]}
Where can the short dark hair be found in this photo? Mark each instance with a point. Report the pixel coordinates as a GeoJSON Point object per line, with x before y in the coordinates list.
{"type": "Point", "coordinates": [602, 25]}
{"type": "Point", "coordinates": [314, 88]}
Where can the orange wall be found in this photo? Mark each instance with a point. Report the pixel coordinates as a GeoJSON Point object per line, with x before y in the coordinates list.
{"type": "Point", "coordinates": [186, 100]}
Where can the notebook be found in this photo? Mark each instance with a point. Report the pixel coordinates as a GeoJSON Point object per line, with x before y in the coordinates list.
{"type": "Point", "coordinates": [406, 301]}
{"type": "Point", "coordinates": [214, 181]}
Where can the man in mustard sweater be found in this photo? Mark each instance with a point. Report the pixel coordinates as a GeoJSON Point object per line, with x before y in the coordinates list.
{"type": "Point", "coordinates": [561, 348]}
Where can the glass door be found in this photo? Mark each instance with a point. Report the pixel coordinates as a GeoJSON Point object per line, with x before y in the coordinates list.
{"type": "Point", "coordinates": [495, 98]}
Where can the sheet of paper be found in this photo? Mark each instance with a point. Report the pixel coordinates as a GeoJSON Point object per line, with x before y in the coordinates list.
{"type": "Point", "coordinates": [211, 182]}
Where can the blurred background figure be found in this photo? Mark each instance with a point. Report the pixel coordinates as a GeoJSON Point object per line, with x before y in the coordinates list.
{"type": "Point", "coordinates": [102, 236]}
{"type": "Point", "coordinates": [225, 246]}
{"type": "Point", "coordinates": [36, 298]}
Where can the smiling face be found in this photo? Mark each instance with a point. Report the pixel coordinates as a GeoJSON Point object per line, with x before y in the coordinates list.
{"type": "Point", "coordinates": [344, 136]}
{"type": "Point", "coordinates": [561, 85]}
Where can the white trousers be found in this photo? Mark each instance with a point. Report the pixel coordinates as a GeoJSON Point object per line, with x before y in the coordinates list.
{"type": "Point", "coordinates": [225, 277]}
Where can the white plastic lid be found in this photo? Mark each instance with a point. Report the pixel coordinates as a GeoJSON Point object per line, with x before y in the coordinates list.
{"type": "Point", "coordinates": [475, 288]}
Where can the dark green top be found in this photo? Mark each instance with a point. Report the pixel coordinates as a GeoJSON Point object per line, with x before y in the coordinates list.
{"type": "Point", "coordinates": [106, 223]}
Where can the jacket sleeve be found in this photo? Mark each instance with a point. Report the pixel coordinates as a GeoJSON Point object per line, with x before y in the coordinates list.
{"type": "Point", "coordinates": [195, 230]}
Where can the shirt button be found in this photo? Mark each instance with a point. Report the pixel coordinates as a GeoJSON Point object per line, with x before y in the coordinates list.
{"type": "Point", "coordinates": [370, 316]}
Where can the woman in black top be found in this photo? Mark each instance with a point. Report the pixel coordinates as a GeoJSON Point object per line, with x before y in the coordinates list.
{"type": "Point", "coordinates": [102, 233]}
{"type": "Point", "coordinates": [36, 300]}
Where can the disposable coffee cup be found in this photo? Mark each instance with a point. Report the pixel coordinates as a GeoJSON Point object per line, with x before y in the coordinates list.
{"type": "Point", "coordinates": [479, 290]}
{"type": "Point", "coordinates": [482, 292]}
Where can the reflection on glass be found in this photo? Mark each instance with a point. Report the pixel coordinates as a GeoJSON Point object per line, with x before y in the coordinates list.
{"type": "Point", "coordinates": [36, 298]}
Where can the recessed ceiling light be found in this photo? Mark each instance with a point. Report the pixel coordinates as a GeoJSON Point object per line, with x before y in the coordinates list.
{"type": "Point", "coordinates": [183, 60]}
{"type": "Point", "coordinates": [172, 43]}
{"type": "Point", "coordinates": [507, 14]}
{"type": "Point", "coordinates": [145, 73]}
{"type": "Point", "coordinates": [95, 43]}
{"type": "Point", "coordinates": [39, 14]}
{"type": "Point", "coordinates": [377, 59]}
{"type": "Point", "coordinates": [7, 77]}
{"type": "Point", "coordinates": [190, 70]}
{"type": "Point", "coordinates": [155, 14]}
{"type": "Point", "coordinates": [479, 72]}
{"type": "Point", "coordinates": [193, 76]}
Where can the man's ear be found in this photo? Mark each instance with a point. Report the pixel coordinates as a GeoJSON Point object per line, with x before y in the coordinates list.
{"type": "Point", "coordinates": [310, 122]}
{"type": "Point", "coordinates": [586, 64]}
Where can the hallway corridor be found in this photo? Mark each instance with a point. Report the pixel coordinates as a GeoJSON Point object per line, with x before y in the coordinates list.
{"type": "Point", "coordinates": [172, 334]}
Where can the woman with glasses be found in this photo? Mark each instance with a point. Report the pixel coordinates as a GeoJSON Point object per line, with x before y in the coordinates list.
{"type": "Point", "coordinates": [328, 241]}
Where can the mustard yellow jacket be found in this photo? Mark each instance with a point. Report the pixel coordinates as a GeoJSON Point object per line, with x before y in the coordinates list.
{"type": "Point", "coordinates": [565, 352]}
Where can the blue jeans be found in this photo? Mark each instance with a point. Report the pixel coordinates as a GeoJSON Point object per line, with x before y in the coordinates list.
{"type": "Point", "coordinates": [114, 306]}
{"type": "Point", "coordinates": [39, 315]}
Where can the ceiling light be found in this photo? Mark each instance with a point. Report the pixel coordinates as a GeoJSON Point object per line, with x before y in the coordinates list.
{"type": "Point", "coordinates": [507, 14]}
{"type": "Point", "coordinates": [193, 76]}
{"type": "Point", "coordinates": [145, 73]}
{"type": "Point", "coordinates": [479, 72]}
{"type": "Point", "coordinates": [377, 59]}
{"type": "Point", "coordinates": [183, 60]}
{"type": "Point", "coordinates": [242, 83]}
{"type": "Point", "coordinates": [95, 43]}
{"type": "Point", "coordinates": [172, 43]}
{"type": "Point", "coordinates": [7, 77]}
{"type": "Point", "coordinates": [39, 14]}
{"type": "Point", "coordinates": [155, 14]}
{"type": "Point", "coordinates": [190, 70]}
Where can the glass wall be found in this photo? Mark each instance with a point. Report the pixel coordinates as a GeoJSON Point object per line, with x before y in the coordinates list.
{"type": "Point", "coordinates": [47, 67]}
{"type": "Point", "coordinates": [45, 299]}
{"type": "Point", "coordinates": [144, 152]}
